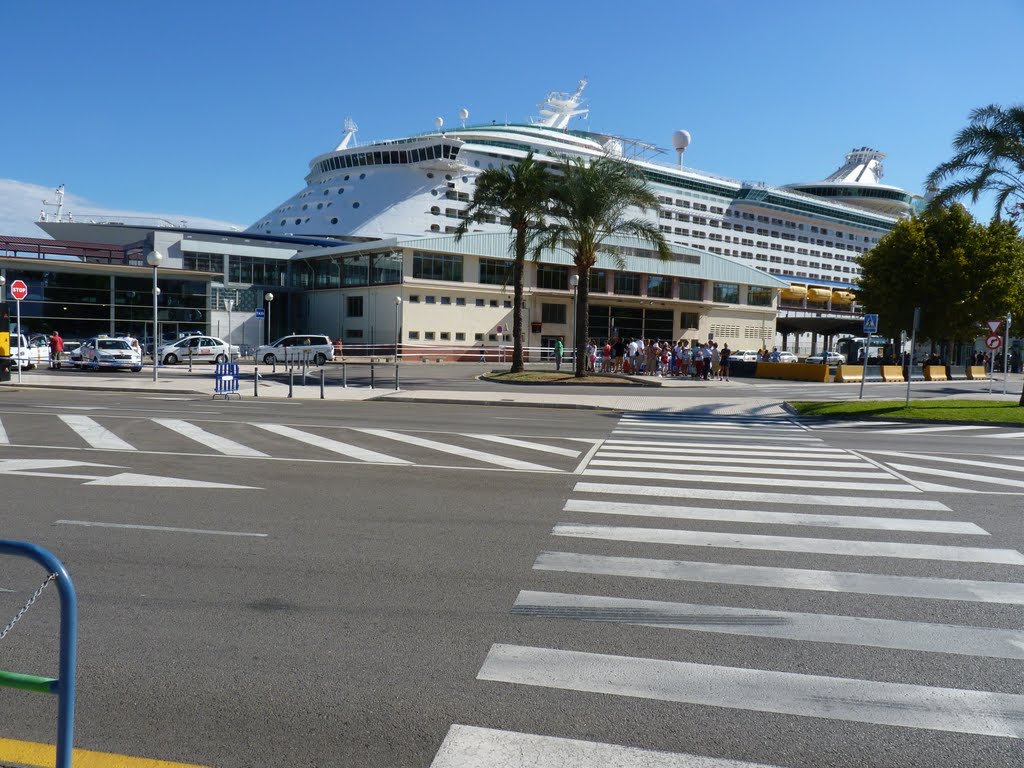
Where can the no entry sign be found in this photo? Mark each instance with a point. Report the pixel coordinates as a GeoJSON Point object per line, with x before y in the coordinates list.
{"type": "Point", "coordinates": [19, 290]}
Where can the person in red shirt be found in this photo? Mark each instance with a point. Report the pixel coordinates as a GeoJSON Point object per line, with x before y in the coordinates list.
{"type": "Point", "coordinates": [56, 349]}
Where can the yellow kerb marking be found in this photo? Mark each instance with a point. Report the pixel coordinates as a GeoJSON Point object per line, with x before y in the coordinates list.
{"type": "Point", "coordinates": [35, 755]}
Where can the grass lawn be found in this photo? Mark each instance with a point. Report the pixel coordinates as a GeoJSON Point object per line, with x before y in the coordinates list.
{"type": "Point", "coordinates": [937, 410]}
{"type": "Point", "coordinates": [554, 377]}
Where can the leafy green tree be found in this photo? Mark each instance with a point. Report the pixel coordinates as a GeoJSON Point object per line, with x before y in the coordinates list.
{"type": "Point", "coordinates": [521, 192]}
{"type": "Point", "coordinates": [961, 273]}
{"type": "Point", "coordinates": [591, 202]}
{"type": "Point", "coordinates": [989, 158]}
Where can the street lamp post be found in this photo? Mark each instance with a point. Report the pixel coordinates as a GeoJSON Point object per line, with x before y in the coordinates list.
{"type": "Point", "coordinates": [398, 333]}
{"type": "Point", "coordinates": [230, 304]}
{"type": "Point", "coordinates": [153, 259]}
{"type": "Point", "coordinates": [270, 302]}
{"type": "Point", "coordinates": [574, 283]}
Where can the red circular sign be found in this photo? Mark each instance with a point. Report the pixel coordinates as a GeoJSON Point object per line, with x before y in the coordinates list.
{"type": "Point", "coordinates": [993, 342]}
{"type": "Point", "coordinates": [19, 290]}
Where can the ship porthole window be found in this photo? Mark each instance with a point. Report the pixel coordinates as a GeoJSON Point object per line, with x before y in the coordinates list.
{"type": "Point", "coordinates": [307, 219]}
{"type": "Point", "coordinates": [319, 206]}
{"type": "Point", "coordinates": [346, 178]}
{"type": "Point", "coordinates": [327, 191]}
{"type": "Point", "coordinates": [334, 220]}
{"type": "Point", "coordinates": [362, 175]}
{"type": "Point", "coordinates": [448, 177]}
{"type": "Point", "coordinates": [298, 221]}
{"type": "Point", "coordinates": [341, 190]}
{"type": "Point", "coordinates": [465, 179]}
{"type": "Point", "coordinates": [435, 210]}
{"type": "Point", "coordinates": [433, 192]}
{"type": "Point", "coordinates": [305, 206]}
{"type": "Point", "coordinates": [476, 163]}
{"type": "Point", "coordinates": [430, 175]}
{"type": "Point", "coordinates": [282, 222]}
{"type": "Point", "coordinates": [330, 204]}
{"type": "Point", "coordinates": [435, 227]}
{"type": "Point", "coordinates": [355, 205]}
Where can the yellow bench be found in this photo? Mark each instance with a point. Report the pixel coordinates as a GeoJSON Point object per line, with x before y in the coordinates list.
{"type": "Point", "coordinates": [892, 373]}
{"type": "Point", "coordinates": [792, 371]}
{"type": "Point", "coordinates": [846, 373]}
{"type": "Point", "coordinates": [935, 373]}
{"type": "Point", "coordinates": [976, 372]}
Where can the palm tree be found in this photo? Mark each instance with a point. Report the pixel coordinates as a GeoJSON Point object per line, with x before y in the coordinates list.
{"type": "Point", "coordinates": [521, 192]}
{"type": "Point", "coordinates": [591, 202]}
{"type": "Point", "coordinates": [989, 158]}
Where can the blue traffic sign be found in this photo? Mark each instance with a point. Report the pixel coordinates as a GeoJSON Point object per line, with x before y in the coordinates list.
{"type": "Point", "coordinates": [870, 323]}
{"type": "Point", "coordinates": [261, 312]}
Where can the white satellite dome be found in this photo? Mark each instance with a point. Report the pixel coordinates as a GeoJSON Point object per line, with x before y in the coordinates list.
{"type": "Point", "coordinates": [681, 140]}
{"type": "Point", "coordinates": [463, 114]}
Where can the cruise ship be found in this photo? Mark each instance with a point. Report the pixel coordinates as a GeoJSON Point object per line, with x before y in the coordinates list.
{"type": "Point", "coordinates": [809, 234]}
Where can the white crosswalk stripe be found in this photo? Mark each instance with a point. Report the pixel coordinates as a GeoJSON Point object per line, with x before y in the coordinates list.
{"type": "Point", "coordinates": [685, 477]}
{"type": "Point", "coordinates": [696, 460]}
{"type": "Point", "coordinates": [791, 625]}
{"type": "Point", "coordinates": [728, 449]}
{"type": "Point", "coordinates": [469, 453]}
{"type": "Point", "coordinates": [335, 446]}
{"type": "Point", "coordinates": [473, 747]}
{"type": "Point", "coordinates": [687, 434]}
{"type": "Point", "coordinates": [533, 446]}
{"type": "Point", "coordinates": [210, 440]}
{"type": "Point", "coordinates": [3, 435]}
{"type": "Point", "coordinates": [915, 706]}
{"type": "Point", "coordinates": [868, 470]}
{"type": "Point", "coordinates": [95, 434]}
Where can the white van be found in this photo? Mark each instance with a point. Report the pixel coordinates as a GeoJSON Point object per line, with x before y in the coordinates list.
{"type": "Point", "coordinates": [28, 354]}
{"type": "Point", "coordinates": [314, 348]}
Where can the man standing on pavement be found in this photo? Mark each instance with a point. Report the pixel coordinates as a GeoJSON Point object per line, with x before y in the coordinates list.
{"type": "Point", "coordinates": [559, 351]}
{"type": "Point", "coordinates": [56, 349]}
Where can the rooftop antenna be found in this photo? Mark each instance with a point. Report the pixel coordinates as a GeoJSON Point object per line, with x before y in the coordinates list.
{"type": "Point", "coordinates": [680, 140]}
{"type": "Point", "coordinates": [463, 116]}
{"type": "Point", "coordinates": [59, 205]}
{"type": "Point", "coordinates": [350, 134]}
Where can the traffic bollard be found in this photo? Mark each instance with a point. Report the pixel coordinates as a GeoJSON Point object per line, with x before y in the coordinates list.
{"type": "Point", "coordinates": [344, 376]}
{"type": "Point", "coordinates": [322, 371]}
{"type": "Point", "coordinates": [396, 373]}
{"type": "Point", "coordinates": [190, 359]}
{"type": "Point", "coordinates": [255, 380]}
{"type": "Point", "coordinates": [291, 382]}
{"type": "Point", "coordinates": [371, 375]}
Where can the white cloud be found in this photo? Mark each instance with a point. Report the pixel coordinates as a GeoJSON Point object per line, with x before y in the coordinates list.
{"type": "Point", "coordinates": [21, 202]}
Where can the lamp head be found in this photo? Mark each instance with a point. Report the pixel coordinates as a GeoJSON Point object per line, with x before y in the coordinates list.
{"type": "Point", "coordinates": [574, 280]}
{"type": "Point", "coordinates": [268, 296]}
{"type": "Point", "coordinates": [398, 300]}
{"type": "Point", "coordinates": [154, 258]}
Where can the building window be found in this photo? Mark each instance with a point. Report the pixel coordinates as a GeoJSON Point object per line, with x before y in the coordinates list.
{"type": "Point", "coordinates": [758, 296]}
{"type": "Point", "coordinates": [460, 301]}
{"type": "Point", "coordinates": [493, 302]}
{"type": "Point", "coordinates": [353, 333]}
{"type": "Point", "coordinates": [355, 306]}
{"type": "Point", "coordinates": [414, 335]}
{"type": "Point", "coordinates": [598, 281]}
{"type": "Point", "coordinates": [689, 320]}
{"type": "Point", "coordinates": [479, 302]}
{"type": "Point", "coordinates": [414, 299]}
{"type": "Point", "coordinates": [431, 300]}
{"type": "Point", "coordinates": [552, 313]}
{"type": "Point", "coordinates": [627, 283]}
{"type": "Point", "coordinates": [659, 286]}
{"type": "Point", "coordinates": [446, 299]}
{"type": "Point", "coordinates": [437, 266]}
{"type": "Point", "coordinates": [428, 335]}
{"type": "Point", "coordinates": [495, 271]}
{"type": "Point", "coordinates": [691, 290]}
{"type": "Point", "coordinates": [446, 336]}
{"type": "Point", "coordinates": [727, 293]}
{"type": "Point", "coordinates": [552, 277]}
{"type": "Point", "coordinates": [478, 337]}
{"type": "Point", "coordinates": [507, 303]}
{"type": "Point", "coordinates": [460, 337]}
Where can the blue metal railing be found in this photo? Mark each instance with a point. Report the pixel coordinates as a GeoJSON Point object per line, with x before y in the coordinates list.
{"type": "Point", "coordinates": [64, 685]}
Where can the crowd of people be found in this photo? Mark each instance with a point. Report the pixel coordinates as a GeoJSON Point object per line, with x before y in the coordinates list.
{"type": "Point", "coordinates": [654, 357]}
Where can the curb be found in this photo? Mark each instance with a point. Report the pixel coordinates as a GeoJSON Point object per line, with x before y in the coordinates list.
{"type": "Point", "coordinates": [503, 403]}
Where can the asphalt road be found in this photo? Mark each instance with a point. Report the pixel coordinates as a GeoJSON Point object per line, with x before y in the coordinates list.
{"type": "Point", "coordinates": [351, 608]}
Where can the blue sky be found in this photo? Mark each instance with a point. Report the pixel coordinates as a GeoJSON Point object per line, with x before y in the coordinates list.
{"type": "Point", "coordinates": [214, 109]}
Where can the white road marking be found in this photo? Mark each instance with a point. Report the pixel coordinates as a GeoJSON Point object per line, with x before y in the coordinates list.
{"type": "Point", "coordinates": [687, 477]}
{"type": "Point", "coordinates": [131, 479]}
{"type": "Point", "coordinates": [74, 407]}
{"type": "Point", "coordinates": [168, 529]}
{"type": "Point", "coordinates": [216, 442]}
{"type": "Point", "coordinates": [959, 475]}
{"type": "Point", "coordinates": [468, 746]}
{"type": "Point", "coordinates": [335, 446]}
{"type": "Point", "coordinates": [1007, 435]}
{"type": "Point", "coordinates": [687, 436]}
{"type": "Point", "coordinates": [802, 451]}
{"type": "Point", "coordinates": [684, 424]}
{"type": "Point", "coordinates": [833, 500]}
{"type": "Point", "coordinates": [806, 627]}
{"type": "Point", "coordinates": [3, 435]}
{"type": "Point", "coordinates": [960, 461]}
{"type": "Point", "coordinates": [910, 706]}
{"type": "Point", "coordinates": [94, 434]}
{"type": "Point", "coordinates": [924, 430]}
{"type": "Point", "coordinates": [468, 453]}
{"type": "Point", "coordinates": [790, 544]}
{"type": "Point", "coordinates": [867, 470]}
{"type": "Point", "coordinates": [773, 518]}
{"type": "Point", "coordinates": [616, 452]}
{"type": "Point", "coordinates": [544, 448]}
{"type": "Point", "coordinates": [1009, 593]}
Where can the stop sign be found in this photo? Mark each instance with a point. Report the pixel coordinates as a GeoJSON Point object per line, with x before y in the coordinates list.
{"type": "Point", "coordinates": [19, 290]}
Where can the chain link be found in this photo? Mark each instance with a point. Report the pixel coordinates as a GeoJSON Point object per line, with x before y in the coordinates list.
{"type": "Point", "coordinates": [31, 600]}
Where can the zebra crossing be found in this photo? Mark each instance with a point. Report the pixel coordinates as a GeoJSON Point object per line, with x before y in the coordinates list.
{"type": "Point", "coordinates": [668, 482]}
{"type": "Point", "coordinates": [994, 432]}
{"type": "Point", "coordinates": [299, 442]}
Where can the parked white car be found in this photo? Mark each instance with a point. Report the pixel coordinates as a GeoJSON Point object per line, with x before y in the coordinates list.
{"type": "Point", "coordinates": [744, 355]}
{"type": "Point", "coordinates": [297, 347]}
{"type": "Point", "coordinates": [29, 353]}
{"type": "Point", "coordinates": [202, 349]}
{"type": "Point", "coordinates": [787, 357]}
{"type": "Point", "coordinates": [834, 358]}
{"type": "Point", "coordinates": [109, 352]}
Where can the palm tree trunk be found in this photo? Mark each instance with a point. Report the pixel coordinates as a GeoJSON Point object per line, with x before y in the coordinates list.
{"type": "Point", "coordinates": [517, 309]}
{"type": "Point", "coordinates": [582, 317]}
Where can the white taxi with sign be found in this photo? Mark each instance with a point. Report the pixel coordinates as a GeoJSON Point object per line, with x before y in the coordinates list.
{"type": "Point", "coordinates": [201, 349]}
{"type": "Point", "coordinates": [29, 353]}
{"type": "Point", "coordinates": [110, 352]}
